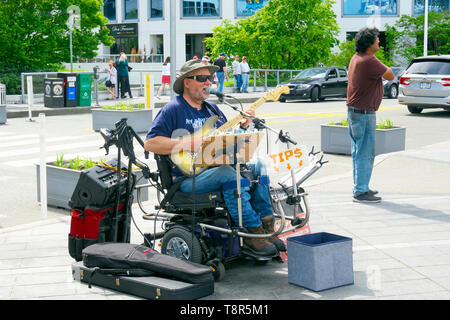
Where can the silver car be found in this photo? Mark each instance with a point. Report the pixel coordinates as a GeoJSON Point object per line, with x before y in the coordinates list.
{"type": "Point", "coordinates": [426, 84]}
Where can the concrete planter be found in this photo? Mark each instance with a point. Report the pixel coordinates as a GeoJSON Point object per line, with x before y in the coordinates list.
{"type": "Point", "coordinates": [3, 114]}
{"type": "Point", "coordinates": [61, 183]}
{"type": "Point", "coordinates": [140, 120]}
{"type": "Point", "coordinates": [336, 139]}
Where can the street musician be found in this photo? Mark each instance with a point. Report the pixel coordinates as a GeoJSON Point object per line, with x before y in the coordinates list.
{"type": "Point", "coordinates": [172, 132]}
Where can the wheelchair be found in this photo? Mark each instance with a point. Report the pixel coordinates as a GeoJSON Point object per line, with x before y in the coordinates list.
{"type": "Point", "coordinates": [197, 226]}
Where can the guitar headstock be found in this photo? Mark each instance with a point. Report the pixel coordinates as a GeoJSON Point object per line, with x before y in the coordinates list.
{"type": "Point", "coordinates": [274, 95]}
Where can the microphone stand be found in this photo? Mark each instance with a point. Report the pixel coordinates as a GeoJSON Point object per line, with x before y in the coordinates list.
{"type": "Point", "coordinates": [283, 137]}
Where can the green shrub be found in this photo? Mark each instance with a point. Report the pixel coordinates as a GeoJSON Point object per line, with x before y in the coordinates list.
{"type": "Point", "coordinates": [76, 163]}
{"type": "Point", "coordinates": [122, 106]}
{"type": "Point", "coordinates": [384, 124]}
{"type": "Point", "coordinates": [10, 76]}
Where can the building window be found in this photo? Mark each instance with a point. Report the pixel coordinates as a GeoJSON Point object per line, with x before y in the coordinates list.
{"type": "Point", "coordinates": [130, 9]}
{"type": "Point", "coordinates": [370, 7]}
{"type": "Point", "coordinates": [156, 8]}
{"type": "Point", "coordinates": [109, 9]}
{"type": "Point", "coordinates": [201, 8]}
{"type": "Point", "coordinates": [245, 8]}
{"type": "Point", "coordinates": [433, 5]}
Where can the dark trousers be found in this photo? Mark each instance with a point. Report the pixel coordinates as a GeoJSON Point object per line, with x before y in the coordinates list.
{"type": "Point", "coordinates": [125, 86]}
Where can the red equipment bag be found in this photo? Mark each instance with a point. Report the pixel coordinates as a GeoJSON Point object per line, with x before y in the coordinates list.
{"type": "Point", "coordinates": [96, 225]}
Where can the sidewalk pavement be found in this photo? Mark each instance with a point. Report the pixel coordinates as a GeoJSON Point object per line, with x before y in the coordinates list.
{"type": "Point", "coordinates": [401, 246]}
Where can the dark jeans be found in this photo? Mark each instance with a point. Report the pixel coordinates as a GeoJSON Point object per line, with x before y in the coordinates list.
{"type": "Point", "coordinates": [124, 82]}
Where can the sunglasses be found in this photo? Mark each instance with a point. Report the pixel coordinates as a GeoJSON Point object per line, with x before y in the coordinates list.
{"type": "Point", "coordinates": [201, 78]}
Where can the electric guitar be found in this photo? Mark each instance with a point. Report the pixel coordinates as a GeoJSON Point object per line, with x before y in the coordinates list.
{"type": "Point", "coordinates": [184, 160]}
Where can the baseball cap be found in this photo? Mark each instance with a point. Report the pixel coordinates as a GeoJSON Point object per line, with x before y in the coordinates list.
{"type": "Point", "coordinates": [222, 54]}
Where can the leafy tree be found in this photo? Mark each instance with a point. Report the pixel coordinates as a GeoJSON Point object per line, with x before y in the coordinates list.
{"type": "Point", "coordinates": [293, 34]}
{"type": "Point", "coordinates": [34, 35]}
{"type": "Point", "coordinates": [347, 50]}
{"type": "Point", "coordinates": [406, 37]}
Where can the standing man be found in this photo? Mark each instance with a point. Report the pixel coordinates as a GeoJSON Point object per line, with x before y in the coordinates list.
{"type": "Point", "coordinates": [221, 72]}
{"type": "Point", "coordinates": [245, 69]}
{"type": "Point", "coordinates": [364, 95]}
{"type": "Point", "coordinates": [187, 113]}
{"type": "Point", "coordinates": [237, 74]}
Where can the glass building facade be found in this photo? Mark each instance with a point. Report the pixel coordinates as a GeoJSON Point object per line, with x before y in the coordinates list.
{"type": "Point", "coordinates": [109, 9]}
{"type": "Point", "coordinates": [245, 8]}
{"type": "Point", "coordinates": [130, 9]}
{"type": "Point", "coordinates": [370, 7]}
{"type": "Point", "coordinates": [433, 5]}
{"type": "Point", "coordinates": [201, 8]}
{"type": "Point", "coordinates": [156, 8]}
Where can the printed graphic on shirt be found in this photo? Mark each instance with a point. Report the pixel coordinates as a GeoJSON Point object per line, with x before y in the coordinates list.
{"type": "Point", "coordinates": [196, 123]}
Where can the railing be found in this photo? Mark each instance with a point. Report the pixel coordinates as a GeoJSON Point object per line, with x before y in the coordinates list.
{"type": "Point", "coordinates": [132, 58]}
{"type": "Point", "coordinates": [265, 78]}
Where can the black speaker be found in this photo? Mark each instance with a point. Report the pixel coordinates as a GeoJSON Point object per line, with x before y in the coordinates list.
{"type": "Point", "coordinates": [97, 187]}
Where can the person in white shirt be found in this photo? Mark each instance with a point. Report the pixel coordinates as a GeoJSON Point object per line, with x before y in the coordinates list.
{"type": "Point", "coordinates": [111, 79]}
{"type": "Point", "coordinates": [245, 70]}
{"type": "Point", "coordinates": [237, 74]}
{"type": "Point", "coordinates": [165, 76]}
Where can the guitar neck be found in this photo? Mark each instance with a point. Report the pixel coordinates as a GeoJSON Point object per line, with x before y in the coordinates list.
{"type": "Point", "coordinates": [231, 123]}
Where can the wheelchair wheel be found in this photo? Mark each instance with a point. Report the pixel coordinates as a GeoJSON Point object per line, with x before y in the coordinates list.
{"type": "Point", "coordinates": [179, 243]}
{"type": "Point", "coordinates": [218, 269]}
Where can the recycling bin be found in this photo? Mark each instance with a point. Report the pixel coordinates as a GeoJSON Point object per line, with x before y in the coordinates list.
{"type": "Point", "coordinates": [70, 88]}
{"type": "Point", "coordinates": [54, 93]}
{"type": "Point", "coordinates": [84, 81]}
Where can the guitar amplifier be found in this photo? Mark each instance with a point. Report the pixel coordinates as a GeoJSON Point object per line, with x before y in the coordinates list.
{"type": "Point", "coordinates": [97, 187]}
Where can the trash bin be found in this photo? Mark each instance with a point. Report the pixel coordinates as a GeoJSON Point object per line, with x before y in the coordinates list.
{"type": "Point", "coordinates": [2, 94]}
{"type": "Point", "coordinates": [2, 103]}
{"type": "Point", "coordinates": [84, 81]}
{"type": "Point", "coordinates": [54, 93]}
{"type": "Point", "coordinates": [70, 88]}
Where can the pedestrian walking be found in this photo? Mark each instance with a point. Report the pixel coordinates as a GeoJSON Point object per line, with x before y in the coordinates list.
{"type": "Point", "coordinates": [237, 74]}
{"type": "Point", "coordinates": [122, 72]}
{"type": "Point", "coordinates": [222, 72]}
{"type": "Point", "coordinates": [245, 70]}
{"type": "Point", "coordinates": [364, 95]}
{"type": "Point", "coordinates": [165, 79]}
{"type": "Point", "coordinates": [111, 79]}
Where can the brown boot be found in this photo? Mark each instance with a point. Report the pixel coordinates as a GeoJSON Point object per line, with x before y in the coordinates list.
{"type": "Point", "coordinates": [267, 223]}
{"type": "Point", "coordinates": [260, 246]}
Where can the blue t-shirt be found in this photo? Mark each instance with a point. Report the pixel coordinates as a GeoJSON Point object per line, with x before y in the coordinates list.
{"type": "Point", "coordinates": [178, 118]}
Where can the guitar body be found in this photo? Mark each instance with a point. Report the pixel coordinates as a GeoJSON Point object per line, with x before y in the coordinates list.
{"type": "Point", "coordinates": [184, 160]}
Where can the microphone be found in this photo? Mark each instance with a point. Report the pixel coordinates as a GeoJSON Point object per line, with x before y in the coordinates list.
{"type": "Point", "coordinates": [219, 94]}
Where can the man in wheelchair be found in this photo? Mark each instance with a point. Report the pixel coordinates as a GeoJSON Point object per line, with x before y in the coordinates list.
{"type": "Point", "coordinates": [170, 132]}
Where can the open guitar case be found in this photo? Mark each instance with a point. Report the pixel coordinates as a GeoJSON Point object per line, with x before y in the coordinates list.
{"type": "Point", "coordinates": [116, 264]}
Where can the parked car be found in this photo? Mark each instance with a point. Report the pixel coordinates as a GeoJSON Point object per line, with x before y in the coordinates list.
{"type": "Point", "coordinates": [391, 87]}
{"type": "Point", "coordinates": [426, 84]}
{"type": "Point", "coordinates": [317, 84]}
